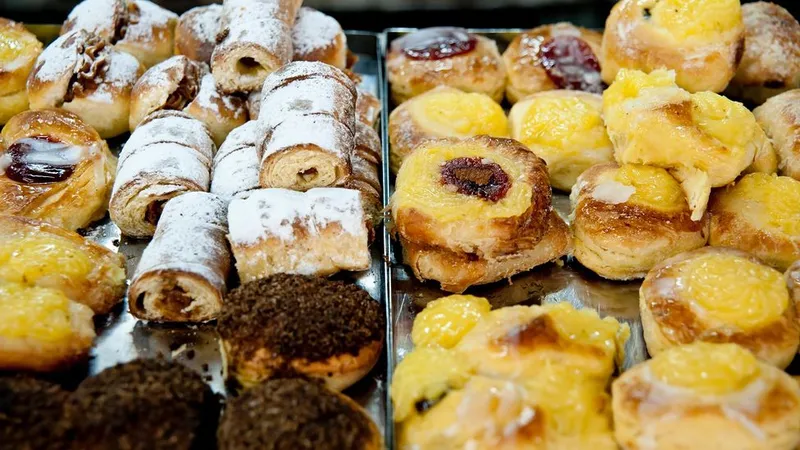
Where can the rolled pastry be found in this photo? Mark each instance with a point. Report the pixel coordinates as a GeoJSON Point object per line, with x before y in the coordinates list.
{"type": "Point", "coordinates": [21, 49]}
{"type": "Point", "coordinates": [780, 118]}
{"type": "Point", "coordinates": [182, 272]}
{"type": "Point", "coordinates": [368, 107]}
{"type": "Point", "coordinates": [170, 156]}
{"type": "Point", "coordinates": [236, 164]}
{"type": "Point", "coordinates": [253, 104]}
{"type": "Point", "coordinates": [196, 32]}
{"type": "Point", "coordinates": [319, 232]}
{"type": "Point", "coordinates": [368, 143]}
{"type": "Point", "coordinates": [317, 36]}
{"type": "Point", "coordinates": [220, 112]}
{"type": "Point", "coordinates": [366, 180]}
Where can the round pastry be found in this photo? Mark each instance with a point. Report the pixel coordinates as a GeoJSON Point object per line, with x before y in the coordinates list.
{"type": "Point", "coordinates": [719, 295]}
{"type": "Point", "coordinates": [709, 396]}
{"type": "Point", "coordinates": [442, 112]}
{"type": "Point", "coordinates": [566, 129]}
{"type": "Point", "coordinates": [295, 414]}
{"type": "Point", "coordinates": [18, 52]}
{"type": "Point", "coordinates": [771, 61]}
{"type": "Point", "coordinates": [57, 169]}
{"type": "Point", "coordinates": [30, 411]}
{"type": "Point", "coordinates": [424, 59]}
{"type": "Point", "coordinates": [702, 41]}
{"type": "Point", "coordinates": [628, 218]}
{"type": "Point", "coordinates": [780, 118]}
{"type": "Point", "coordinates": [80, 73]}
{"type": "Point", "coordinates": [196, 32]}
{"type": "Point", "coordinates": [41, 329]}
{"type": "Point", "coordinates": [557, 56]}
{"type": "Point", "coordinates": [317, 36]}
{"type": "Point", "coordinates": [292, 324]}
{"type": "Point", "coordinates": [445, 321]}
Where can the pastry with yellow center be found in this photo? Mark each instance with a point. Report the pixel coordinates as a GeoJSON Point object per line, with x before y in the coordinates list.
{"type": "Point", "coordinates": [445, 321]}
{"type": "Point", "coordinates": [706, 396]}
{"type": "Point", "coordinates": [442, 112]}
{"type": "Point", "coordinates": [19, 49]}
{"type": "Point", "coordinates": [628, 218]}
{"type": "Point", "coordinates": [719, 295]}
{"type": "Point", "coordinates": [566, 129]}
{"type": "Point", "coordinates": [41, 329]}
{"type": "Point", "coordinates": [701, 40]}
{"type": "Point", "coordinates": [780, 118]}
{"type": "Point", "coordinates": [759, 214]}
{"type": "Point", "coordinates": [704, 140]}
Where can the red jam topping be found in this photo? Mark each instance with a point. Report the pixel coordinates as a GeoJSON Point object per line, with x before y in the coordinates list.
{"type": "Point", "coordinates": [41, 159]}
{"type": "Point", "coordinates": [476, 176]}
{"type": "Point", "coordinates": [436, 43]}
{"type": "Point", "coordinates": [571, 64]}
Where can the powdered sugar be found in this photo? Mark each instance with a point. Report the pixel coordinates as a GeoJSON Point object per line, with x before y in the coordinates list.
{"type": "Point", "coordinates": [59, 59]}
{"type": "Point", "coordinates": [255, 23]}
{"type": "Point", "coordinates": [308, 96]}
{"type": "Point", "coordinates": [248, 135]}
{"type": "Point", "coordinates": [368, 143]}
{"type": "Point", "coordinates": [96, 16]}
{"type": "Point", "coordinates": [236, 164]}
{"type": "Point", "coordinates": [305, 69]}
{"type": "Point", "coordinates": [173, 127]}
{"type": "Point", "coordinates": [209, 97]}
{"type": "Point", "coordinates": [122, 71]}
{"type": "Point", "coordinates": [321, 131]}
{"type": "Point", "coordinates": [151, 18]}
{"type": "Point", "coordinates": [254, 104]}
{"type": "Point", "coordinates": [312, 31]}
{"type": "Point", "coordinates": [205, 21]}
{"type": "Point", "coordinates": [365, 170]}
{"type": "Point", "coordinates": [165, 162]}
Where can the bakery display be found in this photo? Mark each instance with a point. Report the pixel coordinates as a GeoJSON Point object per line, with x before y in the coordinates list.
{"type": "Point", "coordinates": [30, 411]}
{"type": "Point", "coordinates": [17, 55]}
{"type": "Point", "coordinates": [557, 56]}
{"type": "Point", "coordinates": [449, 56]}
{"type": "Point", "coordinates": [236, 163]}
{"type": "Point", "coordinates": [56, 168]}
{"type": "Point", "coordinates": [565, 129]}
{"type": "Point", "coordinates": [317, 36]}
{"type": "Point", "coordinates": [780, 118]}
{"type": "Point", "coordinates": [196, 32]}
{"type": "Point", "coordinates": [289, 325]}
{"type": "Point", "coordinates": [702, 42]}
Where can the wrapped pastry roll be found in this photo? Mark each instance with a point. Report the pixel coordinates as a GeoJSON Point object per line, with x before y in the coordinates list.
{"type": "Point", "coordinates": [319, 232]}
{"type": "Point", "coordinates": [365, 179]}
{"type": "Point", "coordinates": [220, 112]}
{"type": "Point", "coordinates": [181, 275]}
{"type": "Point", "coordinates": [235, 168]}
{"type": "Point", "coordinates": [368, 143]}
{"type": "Point", "coordinates": [368, 107]}
{"type": "Point", "coordinates": [196, 32]}
{"type": "Point", "coordinates": [317, 36]}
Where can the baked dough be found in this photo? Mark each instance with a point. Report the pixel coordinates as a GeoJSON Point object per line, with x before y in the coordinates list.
{"type": "Point", "coordinates": [317, 36]}
{"type": "Point", "coordinates": [235, 167]}
{"type": "Point", "coordinates": [780, 118]}
{"type": "Point", "coordinates": [18, 54]}
{"type": "Point", "coordinates": [196, 32]}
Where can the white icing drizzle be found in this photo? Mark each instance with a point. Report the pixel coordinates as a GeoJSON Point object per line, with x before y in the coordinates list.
{"type": "Point", "coordinates": [313, 30]}
{"type": "Point", "coordinates": [612, 192]}
{"type": "Point", "coordinates": [236, 164]}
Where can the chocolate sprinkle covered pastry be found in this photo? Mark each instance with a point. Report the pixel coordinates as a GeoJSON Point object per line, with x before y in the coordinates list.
{"type": "Point", "coordinates": [291, 323]}
{"type": "Point", "coordinates": [295, 414]}
{"type": "Point", "coordinates": [29, 413]}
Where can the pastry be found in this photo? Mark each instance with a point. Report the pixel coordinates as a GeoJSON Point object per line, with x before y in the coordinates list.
{"type": "Point", "coordinates": [41, 329]}
{"type": "Point", "coordinates": [196, 32]}
{"type": "Point", "coordinates": [709, 396]}
{"type": "Point", "coordinates": [254, 40]}
{"type": "Point", "coordinates": [445, 321]}
{"type": "Point", "coordinates": [627, 219]}
{"type": "Point", "coordinates": [30, 412]}
{"type": "Point", "coordinates": [317, 36]}
{"type": "Point", "coordinates": [771, 61]}
{"type": "Point", "coordinates": [365, 174]}
{"type": "Point", "coordinates": [719, 295]}
{"type": "Point", "coordinates": [430, 57]}
{"type": "Point", "coordinates": [220, 112]}
{"type": "Point", "coordinates": [56, 169]}
{"type": "Point", "coordinates": [566, 129]}
{"type": "Point", "coordinates": [253, 104]}
{"type": "Point", "coordinates": [235, 167]}
{"type": "Point", "coordinates": [17, 56]}
{"type": "Point", "coordinates": [169, 154]}
{"type": "Point", "coordinates": [368, 144]}
{"type": "Point", "coordinates": [557, 56]}
{"type": "Point", "coordinates": [81, 73]}
{"type": "Point", "coordinates": [703, 139]}
{"type": "Point", "coordinates": [780, 118]}
{"type": "Point", "coordinates": [442, 112]}
{"type": "Point", "coordinates": [758, 214]}
{"type": "Point", "coordinates": [319, 232]}
{"type": "Point", "coordinates": [368, 107]}
{"type": "Point", "coordinates": [296, 414]}
{"type": "Point", "coordinates": [38, 254]}
{"type": "Point", "coordinates": [182, 272]}
{"type": "Point", "coordinates": [287, 325]}
{"type": "Point", "coordinates": [702, 42]}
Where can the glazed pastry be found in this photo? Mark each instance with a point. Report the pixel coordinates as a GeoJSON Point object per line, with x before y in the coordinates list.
{"type": "Point", "coordinates": [771, 61]}
{"type": "Point", "coordinates": [557, 56]}
{"type": "Point", "coordinates": [566, 129]}
{"type": "Point", "coordinates": [319, 232]}
{"type": "Point", "coordinates": [297, 414]}
{"type": "Point", "coordinates": [235, 168]}
{"type": "Point", "coordinates": [17, 56]}
{"type": "Point", "coordinates": [253, 104]}
{"type": "Point", "coordinates": [270, 328]}
{"type": "Point", "coordinates": [703, 139]}
{"type": "Point", "coordinates": [627, 219]}
{"type": "Point", "coordinates": [38, 254]}
{"type": "Point", "coordinates": [196, 32]}
{"type": "Point", "coordinates": [780, 119]}
{"type": "Point", "coordinates": [702, 42]}
{"type": "Point", "coordinates": [169, 154]}
{"type": "Point", "coordinates": [57, 169]}
{"type": "Point", "coordinates": [254, 40]}
{"type": "Point", "coordinates": [430, 57]}
{"type": "Point", "coordinates": [758, 215]}
{"type": "Point", "coordinates": [368, 107]}
{"type": "Point", "coordinates": [442, 112]}
{"type": "Point", "coordinates": [445, 321]}
{"type": "Point", "coordinates": [719, 295]}
{"type": "Point", "coordinates": [31, 411]}
{"type": "Point", "coordinates": [317, 36]}
{"type": "Point", "coordinates": [81, 73]}
{"type": "Point", "coordinates": [41, 329]}
{"type": "Point", "coordinates": [709, 396]}
{"type": "Point", "coordinates": [182, 272]}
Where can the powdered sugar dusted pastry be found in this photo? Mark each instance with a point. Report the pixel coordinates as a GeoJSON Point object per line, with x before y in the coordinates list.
{"type": "Point", "coordinates": [368, 107]}
{"type": "Point", "coordinates": [780, 118]}
{"type": "Point", "coordinates": [236, 164]}
{"type": "Point", "coordinates": [317, 36]}
{"type": "Point", "coordinates": [368, 143]}
{"type": "Point", "coordinates": [196, 32]}
{"type": "Point", "coordinates": [253, 104]}
{"type": "Point", "coordinates": [220, 112]}
{"type": "Point", "coordinates": [16, 61]}
{"type": "Point", "coordinates": [182, 272]}
{"type": "Point", "coordinates": [171, 84]}
{"type": "Point", "coordinates": [365, 179]}
{"type": "Point", "coordinates": [319, 232]}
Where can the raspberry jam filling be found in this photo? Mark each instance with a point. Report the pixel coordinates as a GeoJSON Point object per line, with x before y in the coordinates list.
{"type": "Point", "coordinates": [436, 43]}
{"type": "Point", "coordinates": [477, 177]}
{"type": "Point", "coordinates": [41, 159]}
{"type": "Point", "coordinates": [571, 64]}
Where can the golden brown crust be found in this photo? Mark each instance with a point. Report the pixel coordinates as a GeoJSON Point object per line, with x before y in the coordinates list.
{"type": "Point", "coordinates": [317, 36]}
{"type": "Point", "coordinates": [13, 74]}
{"type": "Point", "coordinates": [780, 118]}
{"type": "Point", "coordinates": [404, 133]}
{"type": "Point", "coordinates": [150, 34]}
{"type": "Point", "coordinates": [193, 36]}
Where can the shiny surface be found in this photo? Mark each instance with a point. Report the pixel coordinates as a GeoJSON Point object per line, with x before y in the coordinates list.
{"type": "Point", "coordinates": [436, 43]}
{"type": "Point", "coordinates": [34, 313]}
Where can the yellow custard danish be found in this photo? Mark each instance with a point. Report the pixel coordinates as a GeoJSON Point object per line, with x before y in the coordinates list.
{"type": "Point", "coordinates": [445, 321]}
{"type": "Point", "coordinates": [19, 49]}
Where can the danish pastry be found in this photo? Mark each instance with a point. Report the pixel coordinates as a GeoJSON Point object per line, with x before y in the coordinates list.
{"type": "Point", "coordinates": [57, 169]}
{"type": "Point", "coordinates": [30, 413]}
{"type": "Point", "coordinates": [557, 56]}
{"type": "Point", "coordinates": [424, 59]}
{"type": "Point", "coordinates": [442, 112]}
{"type": "Point", "coordinates": [17, 55]}
{"type": "Point", "coordinates": [566, 129]}
{"type": "Point", "coordinates": [780, 118]}
{"type": "Point", "coordinates": [196, 32]}
{"type": "Point", "coordinates": [445, 321]}
{"type": "Point", "coordinates": [628, 218]}
{"type": "Point", "coordinates": [702, 41]}
{"type": "Point", "coordinates": [719, 295]}
{"type": "Point", "coordinates": [235, 167]}
{"type": "Point", "coordinates": [709, 396]}
{"type": "Point", "coordinates": [317, 36]}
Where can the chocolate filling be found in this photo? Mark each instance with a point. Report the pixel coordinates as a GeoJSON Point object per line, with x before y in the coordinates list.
{"type": "Point", "coordinates": [187, 88]}
{"type": "Point", "coordinates": [476, 177]}
{"type": "Point", "coordinates": [89, 72]}
{"type": "Point", "coordinates": [39, 160]}
{"type": "Point", "coordinates": [436, 43]}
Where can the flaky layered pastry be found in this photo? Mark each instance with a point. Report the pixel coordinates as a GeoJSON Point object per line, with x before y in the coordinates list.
{"type": "Point", "coordinates": [236, 164]}
{"type": "Point", "coordinates": [196, 32]}
{"type": "Point", "coordinates": [366, 168]}
{"type": "Point", "coordinates": [780, 118]}
{"type": "Point", "coordinates": [317, 36]}
{"type": "Point", "coordinates": [18, 54]}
